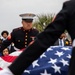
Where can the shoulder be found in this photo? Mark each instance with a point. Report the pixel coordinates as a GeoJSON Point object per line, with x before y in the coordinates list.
{"type": "Point", "coordinates": [69, 3]}
{"type": "Point", "coordinates": [35, 30]}
{"type": "Point", "coordinates": [17, 29]}
{"type": "Point", "coordinates": [69, 6]}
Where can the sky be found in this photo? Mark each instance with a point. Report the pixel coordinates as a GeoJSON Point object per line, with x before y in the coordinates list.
{"type": "Point", "coordinates": [11, 9]}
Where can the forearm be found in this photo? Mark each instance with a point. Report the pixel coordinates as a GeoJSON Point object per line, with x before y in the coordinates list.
{"type": "Point", "coordinates": [26, 58]}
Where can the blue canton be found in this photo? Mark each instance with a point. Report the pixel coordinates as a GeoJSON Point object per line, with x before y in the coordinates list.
{"type": "Point", "coordinates": [55, 61]}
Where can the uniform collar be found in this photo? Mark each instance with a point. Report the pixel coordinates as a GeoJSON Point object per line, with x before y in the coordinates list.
{"type": "Point", "coordinates": [26, 30]}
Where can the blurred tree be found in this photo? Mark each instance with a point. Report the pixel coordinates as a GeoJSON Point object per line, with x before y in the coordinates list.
{"type": "Point", "coordinates": [43, 21]}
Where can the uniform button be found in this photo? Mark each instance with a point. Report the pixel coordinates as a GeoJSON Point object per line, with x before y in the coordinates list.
{"type": "Point", "coordinates": [26, 35]}
{"type": "Point", "coordinates": [25, 39]}
{"type": "Point", "coordinates": [25, 42]}
{"type": "Point", "coordinates": [18, 40]}
{"type": "Point", "coordinates": [25, 45]}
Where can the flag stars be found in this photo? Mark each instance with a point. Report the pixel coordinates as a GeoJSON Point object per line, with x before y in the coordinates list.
{"type": "Point", "coordinates": [49, 49]}
{"type": "Point", "coordinates": [69, 56]}
{"type": "Point", "coordinates": [27, 71]}
{"type": "Point", "coordinates": [53, 61]}
{"type": "Point", "coordinates": [64, 62]}
{"type": "Point", "coordinates": [59, 53]}
{"type": "Point", "coordinates": [45, 73]}
{"type": "Point", "coordinates": [65, 48]}
{"type": "Point", "coordinates": [56, 68]}
{"type": "Point", "coordinates": [35, 63]}
{"type": "Point", "coordinates": [43, 55]}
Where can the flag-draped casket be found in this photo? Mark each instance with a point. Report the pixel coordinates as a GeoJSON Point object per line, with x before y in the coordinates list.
{"type": "Point", "coordinates": [55, 61]}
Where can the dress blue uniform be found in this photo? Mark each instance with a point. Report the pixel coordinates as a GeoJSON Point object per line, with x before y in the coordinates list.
{"type": "Point", "coordinates": [21, 37]}
{"type": "Point", "coordinates": [65, 19]}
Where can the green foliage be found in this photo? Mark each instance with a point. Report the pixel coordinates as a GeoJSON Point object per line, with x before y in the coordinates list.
{"type": "Point", "coordinates": [43, 21]}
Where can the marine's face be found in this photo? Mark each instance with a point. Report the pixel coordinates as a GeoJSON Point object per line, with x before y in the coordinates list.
{"type": "Point", "coordinates": [27, 25]}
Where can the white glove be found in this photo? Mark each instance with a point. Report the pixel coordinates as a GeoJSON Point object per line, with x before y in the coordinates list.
{"type": "Point", "coordinates": [6, 72]}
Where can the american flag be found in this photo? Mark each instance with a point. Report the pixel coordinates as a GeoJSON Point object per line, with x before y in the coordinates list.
{"type": "Point", "coordinates": [55, 61]}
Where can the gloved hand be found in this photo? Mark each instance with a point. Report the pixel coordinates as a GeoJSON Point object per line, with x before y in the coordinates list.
{"type": "Point", "coordinates": [6, 72]}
